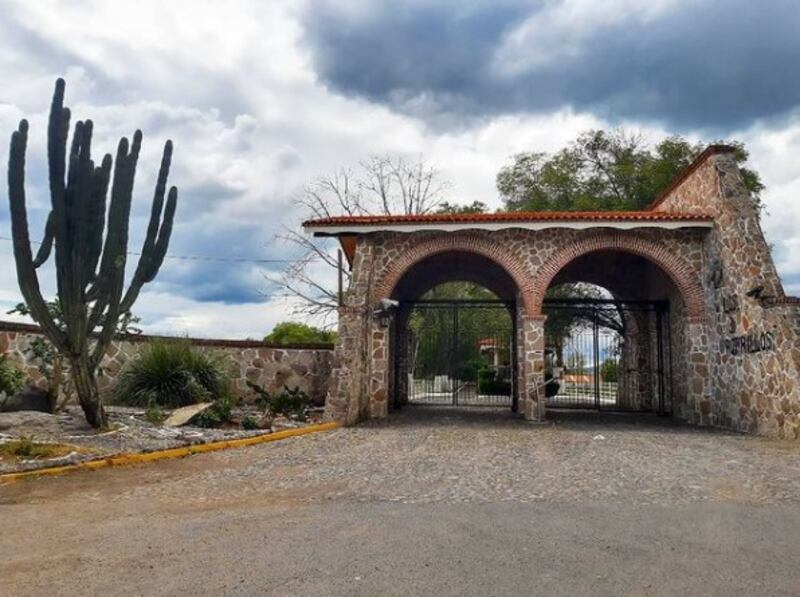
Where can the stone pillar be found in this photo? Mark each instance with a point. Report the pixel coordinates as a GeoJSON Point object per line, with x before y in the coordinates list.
{"type": "Point", "coordinates": [378, 371]}
{"type": "Point", "coordinates": [531, 355]}
{"type": "Point", "coordinates": [698, 391]}
{"type": "Point", "coordinates": [519, 364]}
{"type": "Point", "coordinates": [359, 386]}
{"type": "Point", "coordinates": [349, 357]}
{"type": "Point", "coordinates": [630, 388]}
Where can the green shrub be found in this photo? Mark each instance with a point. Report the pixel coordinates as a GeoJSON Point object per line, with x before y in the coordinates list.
{"type": "Point", "coordinates": [489, 383]}
{"type": "Point", "coordinates": [468, 370]}
{"type": "Point", "coordinates": [155, 414]}
{"type": "Point", "coordinates": [215, 415]}
{"type": "Point", "coordinates": [289, 403]}
{"type": "Point", "coordinates": [12, 378]}
{"type": "Point", "coordinates": [609, 370]}
{"type": "Point", "coordinates": [486, 377]}
{"type": "Point", "coordinates": [249, 423]}
{"type": "Point", "coordinates": [292, 332]}
{"type": "Point", "coordinates": [171, 374]}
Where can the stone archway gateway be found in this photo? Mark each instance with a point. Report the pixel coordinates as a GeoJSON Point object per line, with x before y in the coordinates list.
{"type": "Point", "coordinates": [732, 336]}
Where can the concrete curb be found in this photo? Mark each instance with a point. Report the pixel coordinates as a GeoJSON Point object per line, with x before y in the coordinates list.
{"type": "Point", "coordinates": [126, 459]}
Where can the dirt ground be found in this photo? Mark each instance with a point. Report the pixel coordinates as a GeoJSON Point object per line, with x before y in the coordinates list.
{"type": "Point", "coordinates": [434, 501]}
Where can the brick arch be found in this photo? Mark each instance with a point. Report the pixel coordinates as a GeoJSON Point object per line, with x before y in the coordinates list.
{"type": "Point", "coordinates": [682, 275]}
{"type": "Point", "coordinates": [469, 243]}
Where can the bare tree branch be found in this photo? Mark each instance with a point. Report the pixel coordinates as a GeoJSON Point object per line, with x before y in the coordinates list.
{"type": "Point", "coordinates": [380, 184]}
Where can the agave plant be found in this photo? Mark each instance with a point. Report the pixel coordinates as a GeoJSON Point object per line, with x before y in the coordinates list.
{"type": "Point", "coordinates": [171, 374]}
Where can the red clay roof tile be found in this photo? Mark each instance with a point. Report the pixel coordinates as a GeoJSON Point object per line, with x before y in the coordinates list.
{"type": "Point", "coordinates": [515, 216]}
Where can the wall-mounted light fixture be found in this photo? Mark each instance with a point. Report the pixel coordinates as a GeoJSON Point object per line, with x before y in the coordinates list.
{"type": "Point", "coordinates": [385, 312]}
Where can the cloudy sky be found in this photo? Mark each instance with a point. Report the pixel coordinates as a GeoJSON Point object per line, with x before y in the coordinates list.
{"type": "Point", "coordinates": [261, 97]}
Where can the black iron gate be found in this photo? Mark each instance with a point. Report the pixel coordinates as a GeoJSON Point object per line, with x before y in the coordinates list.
{"type": "Point", "coordinates": [608, 355]}
{"type": "Point", "coordinates": [456, 353]}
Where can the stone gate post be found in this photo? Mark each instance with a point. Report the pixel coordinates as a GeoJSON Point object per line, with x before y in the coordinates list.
{"type": "Point", "coordinates": [349, 356]}
{"type": "Point", "coordinates": [531, 355]}
{"type": "Point", "coordinates": [699, 397]}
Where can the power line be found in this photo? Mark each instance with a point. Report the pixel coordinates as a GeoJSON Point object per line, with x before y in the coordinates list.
{"type": "Point", "coordinates": [203, 257]}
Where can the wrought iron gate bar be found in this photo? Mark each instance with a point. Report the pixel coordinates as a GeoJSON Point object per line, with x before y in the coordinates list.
{"type": "Point", "coordinates": [608, 354]}
{"type": "Point", "coordinates": [456, 352]}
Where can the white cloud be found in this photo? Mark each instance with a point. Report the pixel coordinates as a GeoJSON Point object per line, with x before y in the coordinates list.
{"type": "Point", "coordinates": [233, 86]}
{"type": "Point", "coordinates": [560, 30]}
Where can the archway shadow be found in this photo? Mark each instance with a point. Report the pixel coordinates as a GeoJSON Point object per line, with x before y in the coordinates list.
{"type": "Point", "coordinates": [486, 417]}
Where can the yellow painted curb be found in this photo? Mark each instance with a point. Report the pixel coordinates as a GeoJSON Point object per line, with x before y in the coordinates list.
{"type": "Point", "coordinates": [124, 459]}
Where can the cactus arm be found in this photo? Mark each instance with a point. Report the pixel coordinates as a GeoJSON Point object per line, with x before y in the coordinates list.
{"type": "Point", "coordinates": [112, 267]}
{"type": "Point", "coordinates": [158, 232]}
{"type": "Point", "coordinates": [26, 271]}
{"type": "Point", "coordinates": [100, 290]}
{"type": "Point", "coordinates": [76, 197]}
{"type": "Point", "coordinates": [158, 205]}
{"type": "Point", "coordinates": [57, 129]}
{"type": "Point", "coordinates": [81, 224]}
{"type": "Point", "coordinates": [47, 242]}
{"type": "Point", "coordinates": [156, 256]}
{"type": "Point", "coordinates": [57, 132]}
{"type": "Point", "coordinates": [97, 216]}
{"type": "Point", "coordinates": [97, 289]}
{"type": "Point", "coordinates": [162, 244]}
{"type": "Point", "coordinates": [116, 242]}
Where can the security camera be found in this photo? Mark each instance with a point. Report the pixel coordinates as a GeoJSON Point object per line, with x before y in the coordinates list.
{"type": "Point", "coordinates": [387, 304]}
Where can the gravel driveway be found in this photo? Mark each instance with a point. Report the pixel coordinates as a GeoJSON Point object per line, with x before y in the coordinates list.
{"type": "Point", "coordinates": [433, 501]}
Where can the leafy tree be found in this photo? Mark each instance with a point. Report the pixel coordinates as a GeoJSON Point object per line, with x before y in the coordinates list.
{"type": "Point", "coordinates": [433, 347]}
{"type": "Point", "coordinates": [293, 332]}
{"type": "Point", "coordinates": [599, 171]}
{"type": "Point", "coordinates": [603, 170]}
{"type": "Point", "coordinates": [476, 207]}
{"type": "Point", "coordinates": [609, 370]}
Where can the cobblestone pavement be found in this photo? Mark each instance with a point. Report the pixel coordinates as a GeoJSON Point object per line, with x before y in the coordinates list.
{"type": "Point", "coordinates": [432, 499]}
{"type": "Point", "coordinates": [433, 454]}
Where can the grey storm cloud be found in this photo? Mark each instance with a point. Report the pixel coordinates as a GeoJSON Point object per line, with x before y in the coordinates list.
{"type": "Point", "coordinates": [713, 65]}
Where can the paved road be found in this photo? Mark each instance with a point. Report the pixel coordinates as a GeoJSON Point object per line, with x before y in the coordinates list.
{"type": "Point", "coordinates": [433, 502]}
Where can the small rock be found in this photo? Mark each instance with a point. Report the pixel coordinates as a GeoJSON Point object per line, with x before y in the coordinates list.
{"type": "Point", "coordinates": [599, 437]}
{"type": "Point", "coordinates": [182, 416]}
{"type": "Point", "coordinates": [31, 398]}
{"type": "Point", "coordinates": [278, 425]}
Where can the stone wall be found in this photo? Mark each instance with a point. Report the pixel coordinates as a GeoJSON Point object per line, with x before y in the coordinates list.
{"type": "Point", "coordinates": [735, 336]}
{"type": "Point", "coordinates": [752, 355]}
{"type": "Point", "coordinates": [361, 377]}
{"type": "Point", "coordinates": [272, 367]}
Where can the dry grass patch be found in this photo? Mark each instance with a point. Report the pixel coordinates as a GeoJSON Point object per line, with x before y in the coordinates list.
{"type": "Point", "coordinates": [25, 448]}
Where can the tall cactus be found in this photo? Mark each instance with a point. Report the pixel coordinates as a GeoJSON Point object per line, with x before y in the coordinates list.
{"type": "Point", "coordinates": [90, 265]}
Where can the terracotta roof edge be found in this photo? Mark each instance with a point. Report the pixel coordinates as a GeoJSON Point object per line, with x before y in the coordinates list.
{"type": "Point", "coordinates": [505, 217]}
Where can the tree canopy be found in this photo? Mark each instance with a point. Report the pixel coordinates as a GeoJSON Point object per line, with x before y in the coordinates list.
{"type": "Point", "coordinates": [603, 170]}
{"type": "Point", "coordinates": [293, 332]}
{"type": "Point", "coordinates": [476, 207]}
